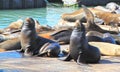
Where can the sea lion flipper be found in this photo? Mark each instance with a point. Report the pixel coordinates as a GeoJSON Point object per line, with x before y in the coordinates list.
{"type": "Point", "coordinates": [44, 49]}
{"type": "Point", "coordinates": [50, 50]}
{"type": "Point", "coordinates": [82, 63]}
{"type": "Point", "coordinates": [89, 15]}
{"type": "Point", "coordinates": [78, 60]}
{"type": "Point", "coordinates": [66, 58]}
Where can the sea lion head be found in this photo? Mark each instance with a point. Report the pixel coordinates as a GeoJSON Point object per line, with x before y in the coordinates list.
{"type": "Point", "coordinates": [29, 23]}
{"type": "Point", "coordinates": [79, 26]}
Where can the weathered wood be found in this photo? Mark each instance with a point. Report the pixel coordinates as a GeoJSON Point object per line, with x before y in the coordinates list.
{"type": "Point", "coordinates": [39, 64]}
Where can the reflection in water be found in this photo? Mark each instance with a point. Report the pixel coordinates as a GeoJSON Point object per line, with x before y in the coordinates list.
{"type": "Point", "coordinates": [10, 54]}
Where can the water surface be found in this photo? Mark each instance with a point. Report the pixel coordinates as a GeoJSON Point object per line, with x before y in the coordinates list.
{"type": "Point", "coordinates": [46, 16]}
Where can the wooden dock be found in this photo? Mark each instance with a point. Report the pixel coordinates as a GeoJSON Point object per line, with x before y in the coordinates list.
{"type": "Point", "coordinates": [46, 64]}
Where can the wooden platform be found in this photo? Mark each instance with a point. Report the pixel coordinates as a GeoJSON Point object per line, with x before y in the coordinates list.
{"type": "Point", "coordinates": [45, 64]}
{"type": "Point", "coordinates": [38, 64]}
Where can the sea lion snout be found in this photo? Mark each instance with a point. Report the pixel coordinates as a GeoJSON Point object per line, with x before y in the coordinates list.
{"type": "Point", "coordinates": [29, 21]}
{"type": "Point", "coordinates": [77, 23]}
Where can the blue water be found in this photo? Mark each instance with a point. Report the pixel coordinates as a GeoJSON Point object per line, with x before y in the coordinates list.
{"type": "Point", "coordinates": [46, 16]}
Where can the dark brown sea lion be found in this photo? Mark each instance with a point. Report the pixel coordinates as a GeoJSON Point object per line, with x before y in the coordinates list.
{"type": "Point", "coordinates": [80, 50]}
{"type": "Point", "coordinates": [12, 41]}
{"type": "Point", "coordinates": [94, 36]}
{"type": "Point", "coordinates": [31, 43]}
{"type": "Point", "coordinates": [95, 39]}
{"type": "Point", "coordinates": [16, 29]}
{"type": "Point", "coordinates": [100, 37]}
{"type": "Point", "coordinates": [62, 36]}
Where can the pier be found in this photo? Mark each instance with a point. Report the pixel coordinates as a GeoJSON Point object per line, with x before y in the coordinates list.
{"type": "Point", "coordinates": [21, 4]}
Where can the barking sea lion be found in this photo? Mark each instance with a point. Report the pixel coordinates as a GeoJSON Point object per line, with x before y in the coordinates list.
{"type": "Point", "coordinates": [31, 43]}
{"type": "Point", "coordinates": [80, 50]}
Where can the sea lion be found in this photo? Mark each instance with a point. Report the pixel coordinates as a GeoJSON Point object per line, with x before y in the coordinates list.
{"type": "Point", "coordinates": [109, 38]}
{"type": "Point", "coordinates": [62, 36]}
{"type": "Point", "coordinates": [95, 39]}
{"type": "Point", "coordinates": [12, 44]}
{"type": "Point", "coordinates": [91, 26]}
{"type": "Point", "coordinates": [94, 36]}
{"type": "Point", "coordinates": [12, 41]}
{"type": "Point", "coordinates": [72, 17]}
{"type": "Point", "coordinates": [16, 29]}
{"type": "Point", "coordinates": [107, 49]}
{"type": "Point", "coordinates": [14, 26]}
{"type": "Point", "coordinates": [31, 43]}
{"type": "Point", "coordinates": [102, 8]}
{"type": "Point", "coordinates": [109, 17]}
{"type": "Point", "coordinates": [100, 37]}
{"type": "Point", "coordinates": [9, 35]}
{"type": "Point", "coordinates": [79, 14]}
{"type": "Point", "coordinates": [112, 6]}
{"type": "Point", "coordinates": [89, 15]}
{"type": "Point", "coordinates": [41, 28]}
{"type": "Point", "coordinates": [17, 25]}
{"type": "Point", "coordinates": [80, 50]}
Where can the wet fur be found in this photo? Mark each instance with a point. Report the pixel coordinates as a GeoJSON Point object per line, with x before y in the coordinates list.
{"type": "Point", "coordinates": [31, 43]}
{"type": "Point", "coordinates": [80, 50]}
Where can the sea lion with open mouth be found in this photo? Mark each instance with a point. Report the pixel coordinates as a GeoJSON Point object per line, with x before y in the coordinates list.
{"type": "Point", "coordinates": [80, 50]}
{"type": "Point", "coordinates": [31, 43]}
